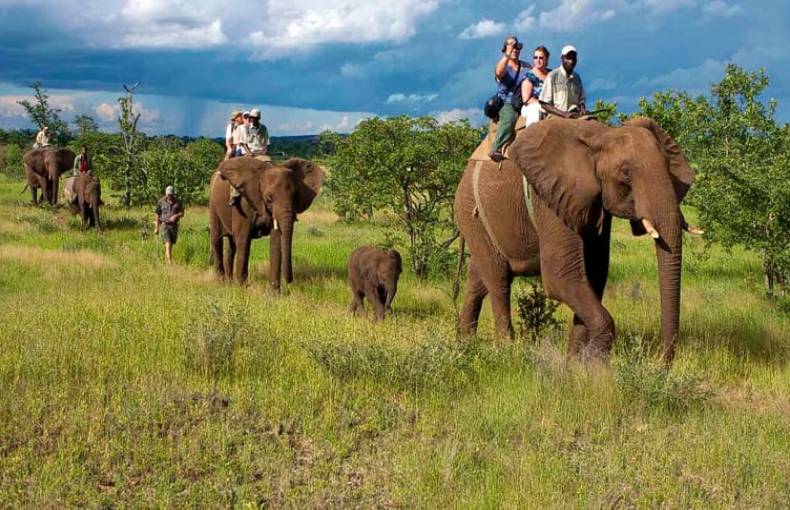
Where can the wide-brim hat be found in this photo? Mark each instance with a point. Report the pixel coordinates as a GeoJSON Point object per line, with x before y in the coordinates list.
{"type": "Point", "coordinates": [234, 114]}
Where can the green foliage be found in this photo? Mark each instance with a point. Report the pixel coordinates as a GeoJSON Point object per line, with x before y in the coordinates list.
{"type": "Point", "coordinates": [606, 112]}
{"type": "Point", "coordinates": [409, 167]}
{"type": "Point", "coordinates": [41, 114]}
{"type": "Point", "coordinates": [85, 125]}
{"type": "Point", "coordinates": [212, 340]}
{"type": "Point", "coordinates": [11, 161]}
{"type": "Point", "coordinates": [647, 385]}
{"type": "Point", "coordinates": [536, 312]}
{"type": "Point", "coordinates": [133, 144]}
{"type": "Point", "coordinates": [742, 188]}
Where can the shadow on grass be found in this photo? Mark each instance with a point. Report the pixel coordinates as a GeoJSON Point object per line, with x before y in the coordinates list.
{"type": "Point", "coordinates": [122, 223]}
{"type": "Point", "coordinates": [742, 338]}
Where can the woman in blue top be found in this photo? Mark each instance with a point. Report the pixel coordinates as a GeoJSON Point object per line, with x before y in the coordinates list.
{"type": "Point", "coordinates": [509, 73]}
{"type": "Point", "coordinates": [533, 85]}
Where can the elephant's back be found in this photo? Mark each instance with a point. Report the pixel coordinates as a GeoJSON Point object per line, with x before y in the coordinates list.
{"type": "Point", "coordinates": [492, 197]}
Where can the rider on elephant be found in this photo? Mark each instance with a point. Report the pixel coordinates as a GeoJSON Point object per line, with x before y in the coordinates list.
{"type": "Point", "coordinates": [83, 163]}
{"type": "Point", "coordinates": [563, 92]}
{"type": "Point", "coordinates": [43, 138]}
{"type": "Point", "coordinates": [254, 142]}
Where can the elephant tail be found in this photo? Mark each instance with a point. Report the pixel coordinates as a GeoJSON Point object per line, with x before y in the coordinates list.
{"type": "Point", "coordinates": [25, 188]}
{"type": "Point", "coordinates": [459, 267]}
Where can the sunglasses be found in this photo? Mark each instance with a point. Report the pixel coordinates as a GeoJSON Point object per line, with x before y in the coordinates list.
{"type": "Point", "coordinates": [539, 57]}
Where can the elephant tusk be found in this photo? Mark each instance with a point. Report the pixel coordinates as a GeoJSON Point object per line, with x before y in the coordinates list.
{"type": "Point", "coordinates": [650, 229]}
{"type": "Point", "coordinates": [692, 229]}
{"type": "Point", "coordinates": [276, 226]}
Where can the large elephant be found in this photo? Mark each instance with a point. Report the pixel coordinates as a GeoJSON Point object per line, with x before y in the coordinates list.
{"type": "Point", "coordinates": [83, 195]}
{"type": "Point", "coordinates": [43, 168]}
{"type": "Point", "coordinates": [580, 173]}
{"type": "Point", "coordinates": [272, 196]}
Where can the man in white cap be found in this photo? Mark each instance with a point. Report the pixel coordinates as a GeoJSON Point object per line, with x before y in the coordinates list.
{"type": "Point", "coordinates": [43, 138]}
{"type": "Point", "coordinates": [256, 141]}
{"type": "Point", "coordinates": [563, 92]}
{"type": "Point", "coordinates": [168, 213]}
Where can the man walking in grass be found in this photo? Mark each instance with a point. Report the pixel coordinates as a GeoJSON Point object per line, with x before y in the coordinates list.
{"type": "Point", "coordinates": [168, 213]}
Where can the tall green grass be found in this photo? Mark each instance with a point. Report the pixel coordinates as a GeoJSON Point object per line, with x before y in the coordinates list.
{"type": "Point", "coordinates": [124, 382]}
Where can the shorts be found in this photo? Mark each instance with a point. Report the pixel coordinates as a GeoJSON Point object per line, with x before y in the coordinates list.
{"type": "Point", "coordinates": [170, 234]}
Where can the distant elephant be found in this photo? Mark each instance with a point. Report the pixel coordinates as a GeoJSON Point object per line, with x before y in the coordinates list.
{"type": "Point", "coordinates": [43, 168]}
{"type": "Point", "coordinates": [272, 196]}
{"type": "Point", "coordinates": [83, 195]}
{"type": "Point", "coordinates": [580, 174]}
{"type": "Point", "coordinates": [373, 274]}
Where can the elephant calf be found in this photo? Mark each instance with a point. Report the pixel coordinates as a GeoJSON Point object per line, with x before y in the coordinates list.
{"type": "Point", "coordinates": [83, 196]}
{"type": "Point", "coordinates": [374, 273]}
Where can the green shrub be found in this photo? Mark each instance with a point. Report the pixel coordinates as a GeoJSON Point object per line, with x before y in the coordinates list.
{"type": "Point", "coordinates": [536, 312]}
{"type": "Point", "coordinates": [11, 161]}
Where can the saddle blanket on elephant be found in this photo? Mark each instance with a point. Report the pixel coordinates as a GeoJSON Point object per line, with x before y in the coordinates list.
{"type": "Point", "coordinates": [484, 149]}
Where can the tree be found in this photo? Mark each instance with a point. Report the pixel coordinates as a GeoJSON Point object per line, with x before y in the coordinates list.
{"type": "Point", "coordinates": [85, 124]}
{"type": "Point", "coordinates": [409, 166]}
{"type": "Point", "coordinates": [131, 140]}
{"type": "Point", "coordinates": [742, 188]}
{"type": "Point", "coordinates": [42, 114]}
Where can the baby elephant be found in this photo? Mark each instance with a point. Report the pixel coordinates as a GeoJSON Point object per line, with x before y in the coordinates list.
{"type": "Point", "coordinates": [374, 273]}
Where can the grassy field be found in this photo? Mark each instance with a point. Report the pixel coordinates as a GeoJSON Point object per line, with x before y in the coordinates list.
{"type": "Point", "coordinates": [127, 383]}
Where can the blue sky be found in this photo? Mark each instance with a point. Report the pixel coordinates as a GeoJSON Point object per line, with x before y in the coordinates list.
{"type": "Point", "coordinates": [313, 65]}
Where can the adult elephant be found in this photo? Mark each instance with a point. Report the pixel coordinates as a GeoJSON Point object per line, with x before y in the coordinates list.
{"type": "Point", "coordinates": [83, 195]}
{"type": "Point", "coordinates": [549, 210]}
{"type": "Point", "coordinates": [271, 197]}
{"type": "Point", "coordinates": [43, 168]}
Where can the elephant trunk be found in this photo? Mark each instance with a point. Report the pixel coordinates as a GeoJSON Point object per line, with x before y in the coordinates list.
{"type": "Point", "coordinates": [669, 255]}
{"type": "Point", "coordinates": [275, 255]}
{"type": "Point", "coordinates": [286, 225]}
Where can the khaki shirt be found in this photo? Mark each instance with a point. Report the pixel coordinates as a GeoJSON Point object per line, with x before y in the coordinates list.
{"type": "Point", "coordinates": [257, 138]}
{"type": "Point", "coordinates": [562, 90]}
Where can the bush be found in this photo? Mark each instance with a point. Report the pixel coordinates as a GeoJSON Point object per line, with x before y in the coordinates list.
{"type": "Point", "coordinates": [11, 163]}
{"type": "Point", "coordinates": [536, 312]}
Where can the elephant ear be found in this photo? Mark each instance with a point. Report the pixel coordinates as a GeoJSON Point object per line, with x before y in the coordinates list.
{"type": "Point", "coordinates": [309, 178]}
{"type": "Point", "coordinates": [681, 173]}
{"type": "Point", "coordinates": [245, 174]}
{"type": "Point", "coordinates": [557, 156]}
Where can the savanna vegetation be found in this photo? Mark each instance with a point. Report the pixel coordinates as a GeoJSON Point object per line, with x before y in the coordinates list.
{"type": "Point", "coordinates": [127, 383]}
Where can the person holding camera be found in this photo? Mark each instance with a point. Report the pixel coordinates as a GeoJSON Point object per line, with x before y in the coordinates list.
{"type": "Point", "coordinates": [509, 73]}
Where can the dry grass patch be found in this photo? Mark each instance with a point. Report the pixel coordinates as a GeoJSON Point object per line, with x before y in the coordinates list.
{"type": "Point", "coordinates": [37, 256]}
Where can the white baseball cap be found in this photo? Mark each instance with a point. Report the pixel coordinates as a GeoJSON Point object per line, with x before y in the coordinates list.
{"type": "Point", "coordinates": [169, 190]}
{"type": "Point", "coordinates": [245, 114]}
{"type": "Point", "coordinates": [255, 113]}
{"type": "Point", "coordinates": [567, 49]}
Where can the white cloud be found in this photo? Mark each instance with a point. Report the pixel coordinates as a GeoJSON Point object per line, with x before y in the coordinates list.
{"type": "Point", "coordinates": [289, 26]}
{"type": "Point", "coordinates": [482, 29]}
{"type": "Point", "coordinates": [723, 9]}
{"type": "Point", "coordinates": [411, 98]}
{"type": "Point", "coordinates": [525, 20]}
{"type": "Point", "coordinates": [573, 15]}
{"type": "Point", "coordinates": [110, 113]}
{"type": "Point", "coordinates": [474, 115]}
{"type": "Point", "coordinates": [350, 70]}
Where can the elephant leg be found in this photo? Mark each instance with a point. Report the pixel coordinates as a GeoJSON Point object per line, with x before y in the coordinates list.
{"type": "Point", "coordinates": [34, 194]}
{"type": "Point", "coordinates": [230, 258]}
{"type": "Point", "coordinates": [473, 301]}
{"type": "Point", "coordinates": [243, 258]}
{"type": "Point", "coordinates": [574, 272]}
{"type": "Point", "coordinates": [356, 303]}
{"type": "Point", "coordinates": [372, 294]}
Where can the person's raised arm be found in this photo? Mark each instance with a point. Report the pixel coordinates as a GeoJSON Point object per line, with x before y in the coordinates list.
{"type": "Point", "coordinates": [499, 71]}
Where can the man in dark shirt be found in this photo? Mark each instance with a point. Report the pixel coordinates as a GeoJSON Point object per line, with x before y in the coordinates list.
{"type": "Point", "coordinates": [168, 213]}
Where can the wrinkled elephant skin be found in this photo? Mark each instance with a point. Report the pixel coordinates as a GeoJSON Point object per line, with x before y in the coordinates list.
{"type": "Point", "coordinates": [271, 198]}
{"type": "Point", "coordinates": [580, 174]}
{"type": "Point", "coordinates": [373, 274]}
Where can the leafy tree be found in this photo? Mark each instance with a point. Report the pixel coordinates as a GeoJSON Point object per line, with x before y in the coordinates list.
{"type": "Point", "coordinates": [408, 166]}
{"type": "Point", "coordinates": [85, 124]}
{"type": "Point", "coordinates": [742, 189]}
{"type": "Point", "coordinates": [42, 114]}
